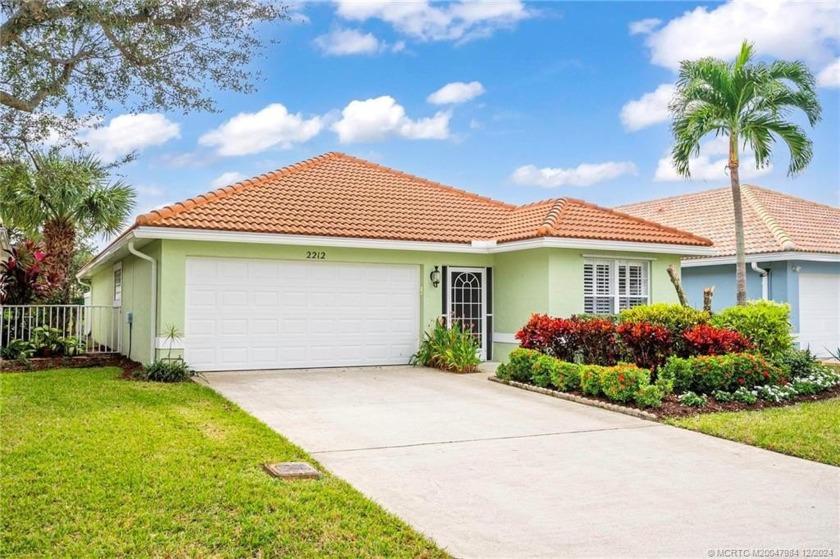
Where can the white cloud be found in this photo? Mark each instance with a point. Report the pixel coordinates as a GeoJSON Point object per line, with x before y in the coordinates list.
{"type": "Point", "coordinates": [345, 42]}
{"type": "Point", "coordinates": [830, 76]}
{"type": "Point", "coordinates": [801, 30]}
{"type": "Point", "coordinates": [426, 21]}
{"type": "Point", "coordinates": [149, 190]}
{"type": "Point", "coordinates": [585, 174]}
{"type": "Point", "coordinates": [270, 127]}
{"type": "Point", "coordinates": [227, 178]}
{"type": "Point", "coordinates": [456, 92]}
{"type": "Point", "coordinates": [377, 119]}
{"type": "Point", "coordinates": [651, 108]}
{"type": "Point", "coordinates": [644, 26]}
{"type": "Point", "coordinates": [710, 164]}
{"type": "Point", "coordinates": [130, 132]}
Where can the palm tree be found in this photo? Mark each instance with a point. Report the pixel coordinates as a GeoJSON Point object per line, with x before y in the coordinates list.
{"type": "Point", "coordinates": [748, 102]}
{"type": "Point", "coordinates": [65, 199]}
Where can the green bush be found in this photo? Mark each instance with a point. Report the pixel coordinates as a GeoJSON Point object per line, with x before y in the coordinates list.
{"type": "Point", "coordinates": [567, 376]}
{"type": "Point", "coordinates": [451, 349]}
{"type": "Point", "coordinates": [520, 365]}
{"type": "Point", "coordinates": [744, 396]}
{"type": "Point", "coordinates": [166, 370]}
{"type": "Point", "coordinates": [622, 382]}
{"type": "Point", "coordinates": [676, 318]}
{"type": "Point", "coordinates": [798, 362]}
{"type": "Point", "coordinates": [503, 371]}
{"type": "Point", "coordinates": [543, 370]}
{"type": "Point", "coordinates": [590, 379]}
{"type": "Point", "coordinates": [765, 323]}
{"type": "Point", "coordinates": [723, 396]}
{"type": "Point", "coordinates": [706, 374]}
{"type": "Point", "coordinates": [691, 399]}
{"type": "Point", "coordinates": [650, 396]}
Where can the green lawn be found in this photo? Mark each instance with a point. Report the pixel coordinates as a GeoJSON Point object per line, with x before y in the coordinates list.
{"type": "Point", "coordinates": [92, 465]}
{"type": "Point", "coordinates": [809, 430]}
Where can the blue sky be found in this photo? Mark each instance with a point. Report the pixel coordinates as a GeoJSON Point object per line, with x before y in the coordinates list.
{"type": "Point", "coordinates": [544, 99]}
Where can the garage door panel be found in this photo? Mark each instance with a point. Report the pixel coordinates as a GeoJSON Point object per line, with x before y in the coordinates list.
{"type": "Point", "coordinates": [819, 312]}
{"type": "Point", "coordinates": [299, 314]}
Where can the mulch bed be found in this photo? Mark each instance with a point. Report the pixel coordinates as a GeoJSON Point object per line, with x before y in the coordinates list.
{"type": "Point", "coordinates": [77, 362]}
{"type": "Point", "coordinates": [671, 407]}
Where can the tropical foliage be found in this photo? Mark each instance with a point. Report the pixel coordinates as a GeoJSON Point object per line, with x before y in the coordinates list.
{"type": "Point", "coordinates": [749, 103]}
{"type": "Point", "coordinates": [452, 349]}
{"type": "Point", "coordinates": [65, 199]}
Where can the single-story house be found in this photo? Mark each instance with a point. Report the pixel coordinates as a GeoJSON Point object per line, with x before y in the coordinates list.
{"type": "Point", "coordinates": [792, 247]}
{"type": "Point", "coordinates": [337, 261]}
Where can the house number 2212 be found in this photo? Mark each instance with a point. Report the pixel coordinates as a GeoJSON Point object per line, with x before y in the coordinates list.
{"type": "Point", "coordinates": [316, 255]}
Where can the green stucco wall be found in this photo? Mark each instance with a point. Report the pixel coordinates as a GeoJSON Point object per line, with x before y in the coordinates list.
{"type": "Point", "coordinates": [524, 282]}
{"type": "Point", "coordinates": [136, 299]}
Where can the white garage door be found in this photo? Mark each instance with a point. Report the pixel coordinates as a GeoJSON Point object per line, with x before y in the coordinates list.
{"type": "Point", "coordinates": [266, 314]}
{"type": "Point", "coordinates": [819, 312]}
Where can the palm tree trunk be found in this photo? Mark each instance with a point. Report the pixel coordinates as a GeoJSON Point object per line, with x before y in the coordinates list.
{"type": "Point", "coordinates": [59, 245]}
{"type": "Point", "coordinates": [740, 252]}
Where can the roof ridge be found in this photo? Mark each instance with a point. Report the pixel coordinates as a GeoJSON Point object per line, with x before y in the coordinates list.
{"type": "Point", "coordinates": [464, 193]}
{"type": "Point", "coordinates": [786, 195]}
{"type": "Point", "coordinates": [202, 199]}
{"type": "Point", "coordinates": [704, 240]}
{"type": "Point", "coordinates": [782, 237]}
{"type": "Point", "coordinates": [549, 222]}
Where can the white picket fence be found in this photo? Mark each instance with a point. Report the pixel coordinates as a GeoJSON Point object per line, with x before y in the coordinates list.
{"type": "Point", "coordinates": [96, 328]}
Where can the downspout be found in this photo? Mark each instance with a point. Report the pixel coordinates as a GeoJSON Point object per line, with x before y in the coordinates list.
{"type": "Point", "coordinates": [764, 275]}
{"type": "Point", "coordinates": [153, 262]}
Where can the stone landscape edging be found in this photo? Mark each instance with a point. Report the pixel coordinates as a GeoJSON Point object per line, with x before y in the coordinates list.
{"type": "Point", "coordinates": [577, 399]}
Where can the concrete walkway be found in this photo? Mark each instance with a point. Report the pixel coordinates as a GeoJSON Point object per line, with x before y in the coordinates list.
{"type": "Point", "coordinates": [487, 470]}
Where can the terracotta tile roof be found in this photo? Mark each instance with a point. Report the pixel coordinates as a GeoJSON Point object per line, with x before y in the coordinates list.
{"type": "Point", "coordinates": [342, 196]}
{"type": "Point", "coordinates": [773, 222]}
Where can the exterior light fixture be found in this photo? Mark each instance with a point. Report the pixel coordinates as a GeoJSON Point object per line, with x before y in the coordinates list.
{"type": "Point", "coordinates": [434, 276]}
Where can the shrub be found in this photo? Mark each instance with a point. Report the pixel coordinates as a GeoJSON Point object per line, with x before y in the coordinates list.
{"type": "Point", "coordinates": [597, 340]}
{"type": "Point", "coordinates": [579, 338]}
{"type": "Point", "coordinates": [648, 345]}
{"type": "Point", "coordinates": [744, 396]}
{"type": "Point", "coordinates": [723, 396]}
{"type": "Point", "coordinates": [775, 393]}
{"type": "Point", "coordinates": [23, 280]}
{"type": "Point", "coordinates": [18, 349]}
{"type": "Point", "coordinates": [538, 333]}
{"type": "Point", "coordinates": [590, 379]}
{"type": "Point", "coordinates": [650, 396]}
{"type": "Point", "coordinates": [451, 349]}
{"type": "Point", "coordinates": [691, 399]}
{"type": "Point", "coordinates": [705, 374]}
{"type": "Point", "coordinates": [798, 362]}
{"type": "Point", "coordinates": [164, 370]}
{"type": "Point", "coordinates": [765, 323]}
{"type": "Point", "coordinates": [622, 382]}
{"type": "Point", "coordinates": [676, 318]}
{"type": "Point", "coordinates": [708, 340]}
{"type": "Point", "coordinates": [543, 370]}
{"type": "Point", "coordinates": [520, 365]}
{"type": "Point", "coordinates": [678, 372]}
{"type": "Point", "coordinates": [503, 371]}
{"type": "Point", "coordinates": [567, 376]}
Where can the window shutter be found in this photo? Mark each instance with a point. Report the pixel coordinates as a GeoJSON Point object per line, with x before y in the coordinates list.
{"type": "Point", "coordinates": [488, 275]}
{"type": "Point", "coordinates": [444, 294]}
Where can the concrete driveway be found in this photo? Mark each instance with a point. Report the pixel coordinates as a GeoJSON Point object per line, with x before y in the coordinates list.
{"type": "Point", "coordinates": [488, 470]}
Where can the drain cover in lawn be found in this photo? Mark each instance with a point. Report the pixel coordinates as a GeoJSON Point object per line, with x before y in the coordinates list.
{"type": "Point", "coordinates": [292, 470]}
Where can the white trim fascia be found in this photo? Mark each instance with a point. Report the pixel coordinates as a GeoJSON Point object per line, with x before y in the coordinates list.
{"type": "Point", "coordinates": [171, 233]}
{"type": "Point", "coordinates": [618, 257]}
{"type": "Point", "coordinates": [475, 247]}
{"type": "Point", "coordinates": [504, 338]}
{"type": "Point", "coordinates": [597, 244]}
{"type": "Point", "coordinates": [104, 255]}
{"type": "Point", "coordinates": [762, 257]}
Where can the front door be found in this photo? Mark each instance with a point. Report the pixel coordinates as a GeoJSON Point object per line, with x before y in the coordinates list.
{"type": "Point", "coordinates": [467, 302]}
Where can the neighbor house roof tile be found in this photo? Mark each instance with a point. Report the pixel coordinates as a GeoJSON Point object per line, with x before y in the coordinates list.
{"type": "Point", "coordinates": [343, 196]}
{"type": "Point", "coordinates": [773, 222]}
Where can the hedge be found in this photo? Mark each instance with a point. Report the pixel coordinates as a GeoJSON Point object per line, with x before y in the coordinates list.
{"type": "Point", "coordinates": [706, 374]}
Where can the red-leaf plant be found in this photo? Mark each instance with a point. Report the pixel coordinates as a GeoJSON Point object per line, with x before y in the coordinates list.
{"type": "Point", "coordinates": [649, 345]}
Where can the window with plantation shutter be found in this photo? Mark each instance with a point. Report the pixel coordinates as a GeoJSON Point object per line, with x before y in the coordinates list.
{"type": "Point", "coordinates": [612, 285]}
